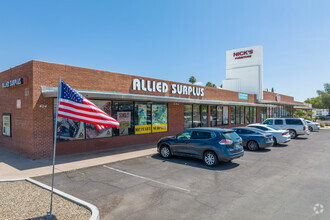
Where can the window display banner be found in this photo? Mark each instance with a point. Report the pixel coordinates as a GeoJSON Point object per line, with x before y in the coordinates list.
{"type": "Point", "coordinates": [124, 119]}
{"type": "Point", "coordinates": [6, 125]}
{"type": "Point", "coordinates": [159, 128]}
{"type": "Point", "coordinates": [142, 129]}
{"type": "Point", "coordinates": [142, 114]}
{"type": "Point", "coordinates": [159, 114]}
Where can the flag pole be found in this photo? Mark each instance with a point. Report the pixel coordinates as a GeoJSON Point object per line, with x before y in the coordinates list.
{"type": "Point", "coordinates": [49, 214]}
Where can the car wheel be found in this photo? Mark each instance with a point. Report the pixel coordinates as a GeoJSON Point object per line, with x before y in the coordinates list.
{"type": "Point", "coordinates": [210, 159]}
{"type": "Point", "coordinates": [275, 141]}
{"type": "Point", "coordinates": [293, 134]}
{"type": "Point", "coordinates": [165, 151]}
{"type": "Point", "coordinates": [252, 146]}
{"type": "Point", "coordinates": [310, 128]}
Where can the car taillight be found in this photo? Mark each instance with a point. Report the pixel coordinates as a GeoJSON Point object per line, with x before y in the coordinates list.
{"type": "Point", "coordinates": [285, 133]}
{"type": "Point", "coordinates": [304, 128]}
{"type": "Point", "coordinates": [317, 124]}
{"type": "Point", "coordinates": [225, 142]}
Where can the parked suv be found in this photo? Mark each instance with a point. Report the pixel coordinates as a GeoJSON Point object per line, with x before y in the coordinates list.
{"type": "Point", "coordinates": [325, 117]}
{"type": "Point", "coordinates": [209, 144]}
{"type": "Point", "coordinates": [296, 126]}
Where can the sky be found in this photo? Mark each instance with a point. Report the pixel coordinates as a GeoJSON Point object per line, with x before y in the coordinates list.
{"type": "Point", "coordinates": [173, 39]}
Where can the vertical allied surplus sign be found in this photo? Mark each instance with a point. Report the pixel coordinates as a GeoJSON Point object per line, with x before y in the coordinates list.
{"type": "Point", "coordinates": [6, 125]}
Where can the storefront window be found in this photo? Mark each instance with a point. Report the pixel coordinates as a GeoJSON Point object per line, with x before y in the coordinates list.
{"type": "Point", "coordinates": [142, 118]}
{"type": "Point", "coordinates": [248, 115]}
{"type": "Point", "coordinates": [187, 116]}
{"type": "Point", "coordinates": [213, 116]}
{"type": "Point", "coordinates": [219, 115]}
{"type": "Point", "coordinates": [254, 115]}
{"type": "Point", "coordinates": [67, 129]}
{"type": "Point", "coordinates": [196, 116]}
{"type": "Point", "coordinates": [159, 118]}
{"type": "Point", "coordinates": [232, 115]}
{"type": "Point", "coordinates": [204, 116]}
{"type": "Point", "coordinates": [241, 109]}
{"type": "Point", "coordinates": [122, 111]}
{"type": "Point", "coordinates": [91, 131]}
{"type": "Point", "coordinates": [225, 113]}
{"type": "Point", "coordinates": [263, 113]}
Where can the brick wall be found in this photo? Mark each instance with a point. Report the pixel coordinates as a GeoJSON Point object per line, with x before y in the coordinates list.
{"type": "Point", "coordinates": [22, 141]}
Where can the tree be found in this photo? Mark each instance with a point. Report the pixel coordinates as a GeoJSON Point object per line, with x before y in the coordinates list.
{"type": "Point", "coordinates": [212, 85]}
{"type": "Point", "coordinates": [272, 89]}
{"type": "Point", "coordinates": [325, 96]}
{"type": "Point", "coordinates": [221, 86]}
{"type": "Point", "coordinates": [192, 80]}
{"type": "Point", "coordinates": [315, 101]}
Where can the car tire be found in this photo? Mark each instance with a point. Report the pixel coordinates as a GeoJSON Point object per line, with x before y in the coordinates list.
{"type": "Point", "coordinates": [210, 159]}
{"type": "Point", "coordinates": [252, 145]}
{"type": "Point", "coordinates": [310, 128]}
{"type": "Point", "coordinates": [293, 134]}
{"type": "Point", "coordinates": [275, 141]}
{"type": "Point", "coordinates": [165, 151]}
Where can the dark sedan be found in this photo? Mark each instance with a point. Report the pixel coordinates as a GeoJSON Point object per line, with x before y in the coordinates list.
{"type": "Point", "coordinates": [253, 138]}
{"type": "Point", "coordinates": [209, 144]}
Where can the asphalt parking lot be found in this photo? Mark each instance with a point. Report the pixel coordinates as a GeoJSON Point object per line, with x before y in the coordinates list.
{"type": "Point", "coordinates": [289, 181]}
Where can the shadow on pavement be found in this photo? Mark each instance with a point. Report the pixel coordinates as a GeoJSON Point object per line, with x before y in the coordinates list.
{"type": "Point", "coordinates": [259, 151]}
{"type": "Point", "coordinates": [280, 145]}
{"type": "Point", "coordinates": [24, 163]}
{"type": "Point", "coordinates": [193, 162]}
{"type": "Point", "coordinates": [300, 138]}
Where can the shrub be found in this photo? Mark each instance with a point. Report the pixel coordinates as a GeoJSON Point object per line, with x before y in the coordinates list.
{"type": "Point", "coordinates": [322, 125]}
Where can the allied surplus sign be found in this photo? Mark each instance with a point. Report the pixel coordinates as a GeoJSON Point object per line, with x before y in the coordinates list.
{"type": "Point", "coordinates": [11, 83]}
{"type": "Point", "coordinates": [162, 87]}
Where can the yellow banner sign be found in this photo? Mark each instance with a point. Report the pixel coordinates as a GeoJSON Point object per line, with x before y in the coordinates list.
{"type": "Point", "coordinates": [142, 129]}
{"type": "Point", "coordinates": [124, 124]}
{"type": "Point", "coordinates": [159, 128]}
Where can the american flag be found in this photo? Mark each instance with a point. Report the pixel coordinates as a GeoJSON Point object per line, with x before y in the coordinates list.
{"type": "Point", "coordinates": [74, 106]}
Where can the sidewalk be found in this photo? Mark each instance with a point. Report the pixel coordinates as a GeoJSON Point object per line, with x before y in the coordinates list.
{"type": "Point", "coordinates": [16, 166]}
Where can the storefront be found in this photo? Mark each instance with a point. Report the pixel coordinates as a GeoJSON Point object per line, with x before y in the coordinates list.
{"type": "Point", "coordinates": [146, 108]}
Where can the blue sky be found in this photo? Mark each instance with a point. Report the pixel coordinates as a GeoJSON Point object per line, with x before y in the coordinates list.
{"type": "Point", "coordinates": [173, 39]}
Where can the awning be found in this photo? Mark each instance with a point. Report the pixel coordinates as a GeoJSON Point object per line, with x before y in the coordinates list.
{"type": "Point", "coordinates": [276, 103]}
{"type": "Point", "coordinates": [51, 92]}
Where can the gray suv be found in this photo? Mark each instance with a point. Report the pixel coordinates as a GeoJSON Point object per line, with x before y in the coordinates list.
{"type": "Point", "coordinates": [209, 144]}
{"type": "Point", "coordinates": [296, 126]}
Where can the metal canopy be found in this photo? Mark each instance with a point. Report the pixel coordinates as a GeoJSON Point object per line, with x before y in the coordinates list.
{"type": "Point", "coordinates": [51, 92]}
{"type": "Point", "coordinates": [276, 103]}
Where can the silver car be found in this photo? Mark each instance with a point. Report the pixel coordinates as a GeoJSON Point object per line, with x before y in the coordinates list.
{"type": "Point", "coordinates": [313, 126]}
{"type": "Point", "coordinates": [279, 136]}
{"type": "Point", "coordinates": [295, 126]}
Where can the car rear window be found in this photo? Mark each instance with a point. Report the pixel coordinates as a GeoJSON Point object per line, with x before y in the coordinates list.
{"type": "Point", "coordinates": [202, 135]}
{"type": "Point", "coordinates": [293, 122]}
{"type": "Point", "coordinates": [231, 135]}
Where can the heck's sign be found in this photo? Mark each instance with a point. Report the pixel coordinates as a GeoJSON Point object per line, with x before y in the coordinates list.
{"type": "Point", "coordinates": [243, 54]}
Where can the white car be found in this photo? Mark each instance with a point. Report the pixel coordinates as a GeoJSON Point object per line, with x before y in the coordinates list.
{"type": "Point", "coordinates": [279, 136]}
{"type": "Point", "coordinates": [295, 126]}
{"type": "Point", "coordinates": [313, 126]}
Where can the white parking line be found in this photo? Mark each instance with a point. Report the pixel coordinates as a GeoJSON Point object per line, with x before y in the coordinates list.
{"type": "Point", "coordinates": [146, 178]}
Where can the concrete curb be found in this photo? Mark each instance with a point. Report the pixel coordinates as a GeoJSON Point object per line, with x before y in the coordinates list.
{"type": "Point", "coordinates": [94, 210]}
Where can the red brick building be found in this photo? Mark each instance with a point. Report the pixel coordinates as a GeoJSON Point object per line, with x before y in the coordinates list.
{"type": "Point", "coordinates": [147, 108]}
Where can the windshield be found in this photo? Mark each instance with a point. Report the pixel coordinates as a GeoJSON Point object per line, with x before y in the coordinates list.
{"type": "Point", "coordinates": [231, 135]}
